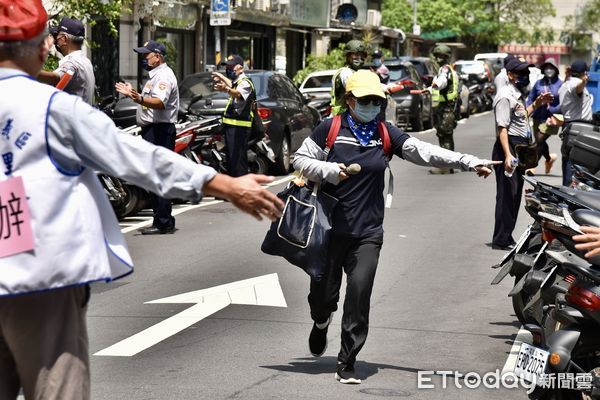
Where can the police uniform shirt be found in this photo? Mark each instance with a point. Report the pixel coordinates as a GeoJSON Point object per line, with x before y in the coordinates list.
{"type": "Point", "coordinates": [501, 80]}
{"type": "Point", "coordinates": [83, 82]}
{"type": "Point", "coordinates": [510, 111]}
{"type": "Point", "coordinates": [163, 86]}
{"type": "Point", "coordinates": [243, 86]}
{"type": "Point", "coordinates": [573, 105]}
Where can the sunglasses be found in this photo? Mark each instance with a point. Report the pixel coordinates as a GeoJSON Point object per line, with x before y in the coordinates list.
{"type": "Point", "coordinates": [365, 101]}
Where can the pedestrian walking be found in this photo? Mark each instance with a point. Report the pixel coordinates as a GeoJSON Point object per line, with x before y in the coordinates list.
{"type": "Point", "coordinates": [238, 114]}
{"type": "Point", "coordinates": [59, 232]}
{"type": "Point", "coordinates": [157, 112]}
{"type": "Point", "coordinates": [69, 36]}
{"type": "Point", "coordinates": [357, 222]}
{"type": "Point", "coordinates": [512, 128]}
{"type": "Point", "coordinates": [576, 105]}
{"type": "Point", "coordinates": [542, 125]}
{"type": "Point", "coordinates": [356, 53]}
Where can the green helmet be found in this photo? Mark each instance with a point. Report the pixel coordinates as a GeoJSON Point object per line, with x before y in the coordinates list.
{"type": "Point", "coordinates": [442, 51]}
{"type": "Point", "coordinates": [355, 46]}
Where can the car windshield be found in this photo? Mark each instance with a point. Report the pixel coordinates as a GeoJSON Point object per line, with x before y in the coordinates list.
{"type": "Point", "coordinates": [474, 68]}
{"type": "Point", "coordinates": [321, 81]}
{"type": "Point", "coordinates": [398, 72]}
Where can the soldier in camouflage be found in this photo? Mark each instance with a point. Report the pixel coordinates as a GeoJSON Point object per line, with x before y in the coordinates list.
{"type": "Point", "coordinates": [444, 95]}
{"type": "Point", "coordinates": [356, 54]}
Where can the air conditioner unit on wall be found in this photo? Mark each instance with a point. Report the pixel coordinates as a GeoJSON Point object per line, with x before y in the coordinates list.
{"type": "Point", "coordinates": [373, 17]}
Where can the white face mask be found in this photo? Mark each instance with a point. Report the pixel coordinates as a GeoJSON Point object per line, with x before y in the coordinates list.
{"type": "Point", "coordinates": [550, 72]}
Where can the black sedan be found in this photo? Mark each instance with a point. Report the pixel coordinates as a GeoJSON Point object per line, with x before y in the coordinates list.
{"type": "Point", "coordinates": [287, 118]}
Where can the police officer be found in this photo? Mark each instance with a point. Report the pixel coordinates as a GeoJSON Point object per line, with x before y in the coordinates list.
{"type": "Point", "coordinates": [156, 114]}
{"type": "Point", "coordinates": [68, 40]}
{"type": "Point", "coordinates": [356, 54]}
{"type": "Point", "coordinates": [443, 95]}
{"type": "Point", "coordinates": [238, 114]}
{"type": "Point", "coordinates": [70, 237]}
{"type": "Point", "coordinates": [512, 128]}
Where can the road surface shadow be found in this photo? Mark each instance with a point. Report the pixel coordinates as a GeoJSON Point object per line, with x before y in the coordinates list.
{"type": "Point", "coordinates": [327, 365]}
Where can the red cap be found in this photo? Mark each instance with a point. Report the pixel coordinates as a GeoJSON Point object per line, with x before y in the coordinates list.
{"type": "Point", "coordinates": [21, 19]}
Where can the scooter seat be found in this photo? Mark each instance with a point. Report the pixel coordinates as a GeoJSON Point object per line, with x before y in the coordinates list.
{"type": "Point", "coordinates": [586, 217]}
{"type": "Point", "coordinates": [591, 199]}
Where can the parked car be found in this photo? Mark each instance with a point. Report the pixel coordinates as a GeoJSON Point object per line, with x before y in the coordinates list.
{"type": "Point", "coordinates": [412, 110]}
{"type": "Point", "coordinates": [496, 60]}
{"type": "Point", "coordinates": [316, 88]}
{"type": "Point", "coordinates": [287, 118]}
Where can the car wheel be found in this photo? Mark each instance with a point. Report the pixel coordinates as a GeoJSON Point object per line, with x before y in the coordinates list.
{"type": "Point", "coordinates": [416, 122]}
{"type": "Point", "coordinates": [283, 159]}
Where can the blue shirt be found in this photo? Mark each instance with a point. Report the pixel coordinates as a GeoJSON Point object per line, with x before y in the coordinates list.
{"type": "Point", "coordinates": [542, 86]}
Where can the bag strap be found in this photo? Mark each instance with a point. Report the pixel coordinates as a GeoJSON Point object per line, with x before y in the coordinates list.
{"type": "Point", "coordinates": [385, 138]}
{"type": "Point", "coordinates": [387, 150]}
{"type": "Point", "coordinates": [334, 129]}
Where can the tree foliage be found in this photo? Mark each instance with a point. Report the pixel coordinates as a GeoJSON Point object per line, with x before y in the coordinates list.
{"type": "Point", "coordinates": [476, 22]}
{"type": "Point", "coordinates": [88, 10]}
{"type": "Point", "coordinates": [332, 60]}
{"type": "Point", "coordinates": [579, 27]}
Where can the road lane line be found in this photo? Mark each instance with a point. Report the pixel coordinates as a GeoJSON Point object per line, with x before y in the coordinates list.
{"type": "Point", "coordinates": [135, 226]}
{"type": "Point", "coordinates": [481, 114]}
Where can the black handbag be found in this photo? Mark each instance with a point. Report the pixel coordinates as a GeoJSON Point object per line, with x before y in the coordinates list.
{"type": "Point", "coordinates": [302, 234]}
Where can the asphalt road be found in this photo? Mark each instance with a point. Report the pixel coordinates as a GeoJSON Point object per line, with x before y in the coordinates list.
{"type": "Point", "coordinates": [432, 309]}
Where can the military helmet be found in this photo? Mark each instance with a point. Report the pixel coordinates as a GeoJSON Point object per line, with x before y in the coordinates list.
{"type": "Point", "coordinates": [355, 46]}
{"type": "Point", "coordinates": [442, 51]}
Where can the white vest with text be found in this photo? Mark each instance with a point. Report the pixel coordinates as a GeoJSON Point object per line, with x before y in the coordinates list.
{"type": "Point", "coordinates": [77, 236]}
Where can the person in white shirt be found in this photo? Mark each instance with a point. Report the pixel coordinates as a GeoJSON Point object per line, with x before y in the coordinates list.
{"type": "Point", "coordinates": [62, 234]}
{"type": "Point", "coordinates": [68, 40]}
{"type": "Point", "coordinates": [575, 104]}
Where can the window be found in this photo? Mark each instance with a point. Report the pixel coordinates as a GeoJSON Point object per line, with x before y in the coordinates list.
{"type": "Point", "coordinates": [398, 72]}
{"type": "Point", "coordinates": [322, 81]}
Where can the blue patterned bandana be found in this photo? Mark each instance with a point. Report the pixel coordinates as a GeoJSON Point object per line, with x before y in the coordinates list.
{"type": "Point", "coordinates": [362, 131]}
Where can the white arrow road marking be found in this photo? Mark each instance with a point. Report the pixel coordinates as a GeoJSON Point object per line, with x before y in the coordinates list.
{"type": "Point", "coordinates": [260, 291]}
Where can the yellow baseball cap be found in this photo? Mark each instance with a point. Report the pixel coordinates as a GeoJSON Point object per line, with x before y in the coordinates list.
{"type": "Point", "coordinates": [364, 83]}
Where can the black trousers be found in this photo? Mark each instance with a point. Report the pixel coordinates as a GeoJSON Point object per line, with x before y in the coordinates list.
{"type": "Point", "coordinates": [161, 134]}
{"type": "Point", "coordinates": [236, 141]}
{"type": "Point", "coordinates": [508, 196]}
{"type": "Point", "coordinates": [358, 258]}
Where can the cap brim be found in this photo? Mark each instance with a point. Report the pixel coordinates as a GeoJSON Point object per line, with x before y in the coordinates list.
{"type": "Point", "coordinates": [364, 92]}
{"type": "Point", "coordinates": [53, 30]}
{"type": "Point", "coordinates": [142, 50]}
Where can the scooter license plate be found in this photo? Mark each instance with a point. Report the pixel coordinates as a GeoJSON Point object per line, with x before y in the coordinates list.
{"type": "Point", "coordinates": [531, 363]}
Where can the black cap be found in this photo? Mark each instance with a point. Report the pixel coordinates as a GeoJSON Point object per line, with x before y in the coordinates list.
{"type": "Point", "coordinates": [517, 65]}
{"type": "Point", "coordinates": [71, 26]}
{"type": "Point", "coordinates": [377, 54]}
{"type": "Point", "coordinates": [508, 58]}
{"type": "Point", "coordinates": [579, 66]}
{"type": "Point", "coordinates": [233, 60]}
{"type": "Point", "coordinates": [151, 47]}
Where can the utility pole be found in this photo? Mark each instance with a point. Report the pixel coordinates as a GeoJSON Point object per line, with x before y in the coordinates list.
{"type": "Point", "coordinates": [416, 27]}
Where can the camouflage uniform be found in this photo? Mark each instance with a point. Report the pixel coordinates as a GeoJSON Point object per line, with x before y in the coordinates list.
{"type": "Point", "coordinates": [444, 98]}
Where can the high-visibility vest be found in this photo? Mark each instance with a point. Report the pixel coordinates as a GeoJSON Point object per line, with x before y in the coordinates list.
{"type": "Point", "coordinates": [230, 117]}
{"type": "Point", "coordinates": [451, 92]}
{"type": "Point", "coordinates": [337, 94]}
